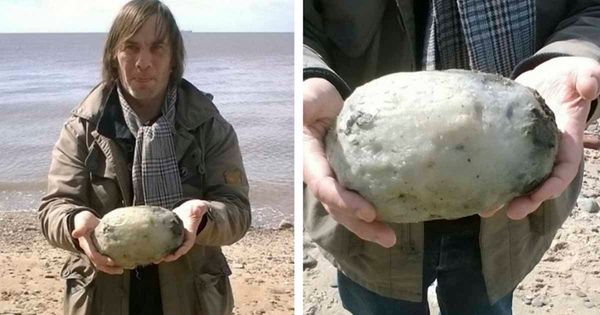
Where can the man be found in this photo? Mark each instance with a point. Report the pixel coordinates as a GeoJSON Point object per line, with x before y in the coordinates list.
{"type": "Point", "coordinates": [145, 135]}
{"type": "Point", "coordinates": [386, 268]}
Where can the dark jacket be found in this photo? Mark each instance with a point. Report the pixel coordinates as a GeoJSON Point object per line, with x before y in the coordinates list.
{"type": "Point", "coordinates": [352, 42]}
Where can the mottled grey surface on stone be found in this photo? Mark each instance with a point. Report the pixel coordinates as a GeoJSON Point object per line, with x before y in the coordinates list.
{"type": "Point", "coordinates": [431, 145]}
{"type": "Point", "coordinates": [141, 235]}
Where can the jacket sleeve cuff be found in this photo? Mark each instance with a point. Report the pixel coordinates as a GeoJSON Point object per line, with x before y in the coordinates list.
{"type": "Point", "coordinates": [534, 61]}
{"type": "Point", "coordinates": [330, 76]}
{"type": "Point", "coordinates": [538, 59]}
{"type": "Point", "coordinates": [315, 66]}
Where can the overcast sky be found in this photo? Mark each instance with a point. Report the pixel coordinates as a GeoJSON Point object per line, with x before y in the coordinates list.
{"type": "Point", "coordinates": [196, 15]}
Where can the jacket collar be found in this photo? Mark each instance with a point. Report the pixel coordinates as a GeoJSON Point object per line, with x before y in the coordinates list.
{"type": "Point", "coordinates": [194, 107]}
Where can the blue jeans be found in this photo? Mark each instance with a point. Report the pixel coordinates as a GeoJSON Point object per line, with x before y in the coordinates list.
{"type": "Point", "coordinates": [452, 256]}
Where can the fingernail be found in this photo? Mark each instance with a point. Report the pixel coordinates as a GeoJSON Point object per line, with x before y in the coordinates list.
{"type": "Point", "coordinates": [386, 240]}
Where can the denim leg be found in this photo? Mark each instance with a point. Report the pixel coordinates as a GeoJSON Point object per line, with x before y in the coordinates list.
{"type": "Point", "coordinates": [361, 301]}
{"type": "Point", "coordinates": [461, 287]}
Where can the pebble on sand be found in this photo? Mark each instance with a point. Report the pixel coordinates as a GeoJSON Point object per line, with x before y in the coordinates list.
{"type": "Point", "coordinates": [588, 205]}
{"type": "Point", "coordinates": [285, 224]}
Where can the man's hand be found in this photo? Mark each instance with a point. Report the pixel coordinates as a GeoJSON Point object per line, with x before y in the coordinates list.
{"type": "Point", "coordinates": [568, 84]}
{"type": "Point", "coordinates": [322, 104]}
{"type": "Point", "coordinates": [191, 213]}
{"type": "Point", "coordinates": [84, 224]}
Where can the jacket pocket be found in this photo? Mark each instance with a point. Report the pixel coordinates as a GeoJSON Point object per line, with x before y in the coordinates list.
{"type": "Point", "coordinates": [214, 293]}
{"type": "Point", "coordinates": [333, 237]}
{"type": "Point", "coordinates": [336, 239]}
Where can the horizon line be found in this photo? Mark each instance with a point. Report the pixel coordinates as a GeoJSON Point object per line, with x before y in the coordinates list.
{"type": "Point", "coordinates": [182, 31]}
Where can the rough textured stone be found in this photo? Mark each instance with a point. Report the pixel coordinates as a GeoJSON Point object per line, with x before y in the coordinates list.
{"type": "Point", "coordinates": [285, 224]}
{"type": "Point", "coordinates": [588, 205]}
{"type": "Point", "coordinates": [140, 235]}
{"type": "Point", "coordinates": [309, 262]}
{"type": "Point", "coordinates": [431, 145]}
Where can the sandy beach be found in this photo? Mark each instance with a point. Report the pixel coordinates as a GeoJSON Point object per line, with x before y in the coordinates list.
{"type": "Point", "coordinates": [565, 282]}
{"type": "Point", "coordinates": [262, 266]}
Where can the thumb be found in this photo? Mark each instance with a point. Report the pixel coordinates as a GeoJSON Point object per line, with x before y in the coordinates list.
{"type": "Point", "coordinates": [81, 231]}
{"type": "Point", "coordinates": [588, 83]}
{"type": "Point", "coordinates": [195, 217]}
{"type": "Point", "coordinates": [197, 212]}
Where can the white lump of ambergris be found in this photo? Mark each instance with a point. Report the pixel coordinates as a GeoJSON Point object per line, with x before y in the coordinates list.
{"type": "Point", "coordinates": [442, 144]}
{"type": "Point", "coordinates": [140, 235]}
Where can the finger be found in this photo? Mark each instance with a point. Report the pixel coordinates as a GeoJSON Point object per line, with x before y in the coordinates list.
{"type": "Point", "coordinates": [561, 176]}
{"type": "Point", "coordinates": [170, 258]}
{"type": "Point", "coordinates": [489, 213]}
{"type": "Point", "coordinates": [197, 213]}
{"type": "Point", "coordinates": [331, 193]}
{"type": "Point", "coordinates": [321, 100]}
{"type": "Point", "coordinates": [100, 259]}
{"type": "Point", "coordinates": [109, 269]}
{"type": "Point", "coordinates": [564, 171]}
{"type": "Point", "coordinates": [80, 231]}
{"type": "Point", "coordinates": [588, 83]}
{"type": "Point", "coordinates": [90, 250]}
{"type": "Point", "coordinates": [376, 232]}
{"type": "Point", "coordinates": [320, 180]}
{"type": "Point", "coordinates": [156, 262]}
{"type": "Point", "coordinates": [520, 207]}
{"type": "Point", "coordinates": [102, 263]}
{"type": "Point", "coordinates": [182, 250]}
{"type": "Point", "coordinates": [315, 160]}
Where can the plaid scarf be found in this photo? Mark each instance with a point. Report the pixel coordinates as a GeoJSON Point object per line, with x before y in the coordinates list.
{"type": "Point", "coordinates": [155, 174]}
{"type": "Point", "coordinates": [490, 36]}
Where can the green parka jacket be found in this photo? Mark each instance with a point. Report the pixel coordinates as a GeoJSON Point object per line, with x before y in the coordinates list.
{"type": "Point", "coordinates": [89, 172]}
{"type": "Point", "coordinates": [352, 42]}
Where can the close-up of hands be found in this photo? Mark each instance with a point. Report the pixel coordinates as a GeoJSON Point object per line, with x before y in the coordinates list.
{"type": "Point", "coordinates": [568, 85]}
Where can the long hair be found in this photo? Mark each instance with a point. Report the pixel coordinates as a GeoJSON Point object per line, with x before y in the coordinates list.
{"type": "Point", "coordinates": [129, 20]}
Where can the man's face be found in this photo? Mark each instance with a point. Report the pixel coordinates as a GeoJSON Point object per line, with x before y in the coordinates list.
{"type": "Point", "coordinates": [145, 64]}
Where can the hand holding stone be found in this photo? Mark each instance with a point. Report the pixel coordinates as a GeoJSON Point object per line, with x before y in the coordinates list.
{"type": "Point", "coordinates": [322, 104]}
{"type": "Point", "coordinates": [84, 224]}
{"type": "Point", "coordinates": [191, 213]}
{"type": "Point", "coordinates": [568, 85]}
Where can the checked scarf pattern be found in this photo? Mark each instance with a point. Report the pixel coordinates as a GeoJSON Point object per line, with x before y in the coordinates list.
{"type": "Point", "coordinates": [155, 174]}
{"type": "Point", "coordinates": [491, 36]}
